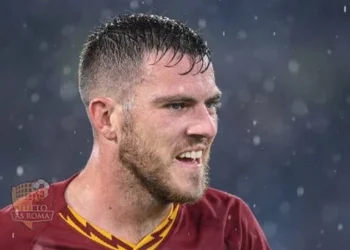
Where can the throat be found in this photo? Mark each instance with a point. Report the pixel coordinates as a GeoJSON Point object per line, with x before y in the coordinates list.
{"type": "Point", "coordinates": [134, 229]}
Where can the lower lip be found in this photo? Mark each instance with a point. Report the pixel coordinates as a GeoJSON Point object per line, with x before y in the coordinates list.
{"type": "Point", "coordinates": [189, 164]}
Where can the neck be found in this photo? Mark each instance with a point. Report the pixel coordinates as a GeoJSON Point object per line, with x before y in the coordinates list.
{"type": "Point", "coordinates": [125, 201]}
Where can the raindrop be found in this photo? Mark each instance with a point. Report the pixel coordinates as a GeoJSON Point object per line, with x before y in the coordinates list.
{"type": "Point", "coordinates": [348, 100]}
{"type": "Point", "coordinates": [300, 191]}
{"type": "Point", "coordinates": [34, 97]}
{"type": "Point", "coordinates": [43, 46]}
{"type": "Point", "coordinates": [68, 91]}
{"type": "Point", "coordinates": [293, 66]}
{"type": "Point", "coordinates": [269, 85]}
{"type": "Point", "coordinates": [134, 4]}
{"type": "Point", "coordinates": [202, 23]}
{"type": "Point", "coordinates": [20, 171]}
{"type": "Point", "coordinates": [299, 107]}
{"type": "Point", "coordinates": [336, 158]}
{"type": "Point", "coordinates": [67, 30]}
{"type": "Point", "coordinates": [67, 70]}
{"type": "Point", "coordinates": [242, 35]}
{"type": "Point", "coordinates": [270, 228]}
{"type": "Point", "coordinates": [285, 207]}
{"type": "Point", "coordinates": [256, 140]}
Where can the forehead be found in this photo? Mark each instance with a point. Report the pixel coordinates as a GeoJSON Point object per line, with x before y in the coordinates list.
{"type": "Point", "coordinates": [164, 77]}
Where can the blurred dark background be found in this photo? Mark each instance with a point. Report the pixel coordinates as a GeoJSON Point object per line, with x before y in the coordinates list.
{"type": "Point", "coordinates": [284, 138]}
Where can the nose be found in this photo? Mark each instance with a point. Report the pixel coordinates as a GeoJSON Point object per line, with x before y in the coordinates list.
{"type": "Point", "coordinates": [203, 123]}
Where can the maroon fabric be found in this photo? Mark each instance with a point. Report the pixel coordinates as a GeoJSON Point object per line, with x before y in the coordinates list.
{"type": "Point", "coordinates": [218, 221]}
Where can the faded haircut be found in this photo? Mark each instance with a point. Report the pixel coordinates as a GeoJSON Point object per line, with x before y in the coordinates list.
{"type": "Point", "coordinates": [111, 59]}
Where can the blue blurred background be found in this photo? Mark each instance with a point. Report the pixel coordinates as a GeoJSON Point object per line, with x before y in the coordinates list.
{"type": "Point", "coordinates": [284, 138]}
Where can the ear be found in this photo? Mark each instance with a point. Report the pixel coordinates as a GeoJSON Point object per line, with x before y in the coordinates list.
{"type": "Point", "coordinates": [103, 115]}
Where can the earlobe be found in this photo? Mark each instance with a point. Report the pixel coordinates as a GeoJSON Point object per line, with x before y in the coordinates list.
{"type": "Point", "coordinates": [109, 135]}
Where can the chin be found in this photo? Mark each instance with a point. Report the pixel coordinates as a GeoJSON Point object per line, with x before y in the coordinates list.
{"type": "Point", "coordinates": [190, 188]}
{"type": "Point", "coordinates": [189, 194]}
{"type": "Point", "coordinates": [192, 198]}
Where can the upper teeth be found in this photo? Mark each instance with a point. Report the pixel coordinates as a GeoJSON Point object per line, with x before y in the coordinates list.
{"type": "Point", "coordinates": [192, 154]}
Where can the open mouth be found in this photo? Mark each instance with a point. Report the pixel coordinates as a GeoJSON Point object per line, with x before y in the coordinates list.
{"type": "Point", "coordinates": [190, 159]}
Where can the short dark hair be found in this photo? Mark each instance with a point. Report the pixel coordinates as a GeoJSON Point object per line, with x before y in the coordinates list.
{"type": "Point", "coordinates": [114, 52]}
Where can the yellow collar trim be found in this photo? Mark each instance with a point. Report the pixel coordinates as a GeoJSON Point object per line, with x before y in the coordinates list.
{"type": "Point", "coordinates": [102, 237]}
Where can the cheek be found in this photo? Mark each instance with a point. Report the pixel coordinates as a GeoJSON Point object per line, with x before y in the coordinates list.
{"type": "Point", "coordinates": [162, 125]}
{"type": "Point", "coordinates": [164, 139]}
{"type": "Point", "coordinates": [161, 131]}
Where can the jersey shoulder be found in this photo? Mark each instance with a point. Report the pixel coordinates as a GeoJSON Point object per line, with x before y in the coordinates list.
{"type": "Point", "coordinates": [217, 209]}
{"type": "Point", "coordinates": [229, 216]}
{"type": "Point", "coordinates": [17, 226]}
{"type": "Point", "coordinates": [34, 206]}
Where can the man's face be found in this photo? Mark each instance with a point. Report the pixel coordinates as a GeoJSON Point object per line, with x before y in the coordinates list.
{"type": "Point", "coordinates": [167, 135]}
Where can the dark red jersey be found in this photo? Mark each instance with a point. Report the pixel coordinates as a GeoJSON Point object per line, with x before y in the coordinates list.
{"type": "Point", "coordinates": [44, 221]}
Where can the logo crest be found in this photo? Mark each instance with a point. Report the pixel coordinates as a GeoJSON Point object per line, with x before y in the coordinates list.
{"type": "Point", "coordinates": [30, 203]}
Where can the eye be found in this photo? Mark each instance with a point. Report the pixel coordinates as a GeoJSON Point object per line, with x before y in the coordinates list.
{"type": "Point", "coordinates": [214, 105]}
{"type": "Point", "coordinates": [176, 106]}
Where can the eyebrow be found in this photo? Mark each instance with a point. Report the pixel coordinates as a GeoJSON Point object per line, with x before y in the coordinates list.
{"type": "Point", "coordinates": [183, 98]}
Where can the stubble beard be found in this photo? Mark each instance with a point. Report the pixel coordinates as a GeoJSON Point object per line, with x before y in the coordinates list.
{"type": "Point", "coordinates": [151, 171]}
